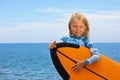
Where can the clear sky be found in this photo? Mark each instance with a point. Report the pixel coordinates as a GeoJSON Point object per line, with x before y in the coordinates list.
{"type": "Point", "coordinates": [36, 21]}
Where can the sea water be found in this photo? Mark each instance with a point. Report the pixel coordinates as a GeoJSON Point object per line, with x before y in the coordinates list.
{"type": "Point", "coordinates": [32, 61]}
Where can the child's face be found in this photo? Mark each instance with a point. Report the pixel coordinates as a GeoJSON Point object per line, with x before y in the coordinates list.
{"type": "Point", "coordinates": [77, 28]}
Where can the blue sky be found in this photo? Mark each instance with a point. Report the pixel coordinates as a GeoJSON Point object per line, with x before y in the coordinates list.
{"type": "Point", "coordinates": [35, 21]}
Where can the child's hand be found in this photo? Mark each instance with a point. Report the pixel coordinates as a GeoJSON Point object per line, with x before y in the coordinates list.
{"type": "Point", "coordinates": [52, 45]}
{"type": "Point", "coordinates": [78, 66]}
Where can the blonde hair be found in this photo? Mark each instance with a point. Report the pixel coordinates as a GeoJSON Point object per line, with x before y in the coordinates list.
{"type": "Point", "coordinates": [83, 19]}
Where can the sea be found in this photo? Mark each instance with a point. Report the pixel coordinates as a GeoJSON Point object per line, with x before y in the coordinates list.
{"type": "Point", "coordinates": [32, 61]}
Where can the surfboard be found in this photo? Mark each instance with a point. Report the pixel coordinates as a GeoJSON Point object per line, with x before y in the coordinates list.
{"type": "Point", "coordinates": [64, 56]}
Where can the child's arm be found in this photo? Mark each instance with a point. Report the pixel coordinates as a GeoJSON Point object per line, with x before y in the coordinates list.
{"type": "Point", "coordinates": [95, 54]}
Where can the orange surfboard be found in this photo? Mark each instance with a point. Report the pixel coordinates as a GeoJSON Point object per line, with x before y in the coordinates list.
{"type": "Point", "coordinates": [65, 54]}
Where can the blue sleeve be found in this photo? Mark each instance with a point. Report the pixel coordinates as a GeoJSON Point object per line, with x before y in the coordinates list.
{"type": "Point", "coordinates": [64, 39]}
{"type": "Point", "coordinates": [95, 54]}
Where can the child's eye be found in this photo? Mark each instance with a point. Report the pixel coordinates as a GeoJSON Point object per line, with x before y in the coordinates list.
{"type": "Point", "coordinates": [81, 26]}
{"type": "Point", "coordinates": [74, 26]}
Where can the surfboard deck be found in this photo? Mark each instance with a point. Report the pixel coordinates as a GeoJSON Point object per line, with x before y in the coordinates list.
{"type": "Point", "coordinates": [65, 54]}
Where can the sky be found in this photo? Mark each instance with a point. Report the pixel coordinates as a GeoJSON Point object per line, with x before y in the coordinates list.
{"type": "Point", "coordinates": [43, 21]}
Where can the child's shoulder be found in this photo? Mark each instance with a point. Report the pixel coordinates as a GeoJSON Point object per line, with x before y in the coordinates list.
{"type": "Point", "coordinates": [64, 38]}
{"type": "Point", "coordinates": [85, 39]}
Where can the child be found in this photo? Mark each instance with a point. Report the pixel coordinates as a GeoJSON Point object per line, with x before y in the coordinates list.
{"type": "Point", "coordinates": [78, 34]}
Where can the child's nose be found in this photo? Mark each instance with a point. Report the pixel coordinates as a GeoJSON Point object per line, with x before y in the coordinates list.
{"type": "Point", "coordinates": [78, 28]}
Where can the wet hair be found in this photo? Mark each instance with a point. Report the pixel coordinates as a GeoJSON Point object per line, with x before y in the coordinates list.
{"type": "Point", "coordinates": [81, 18]}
